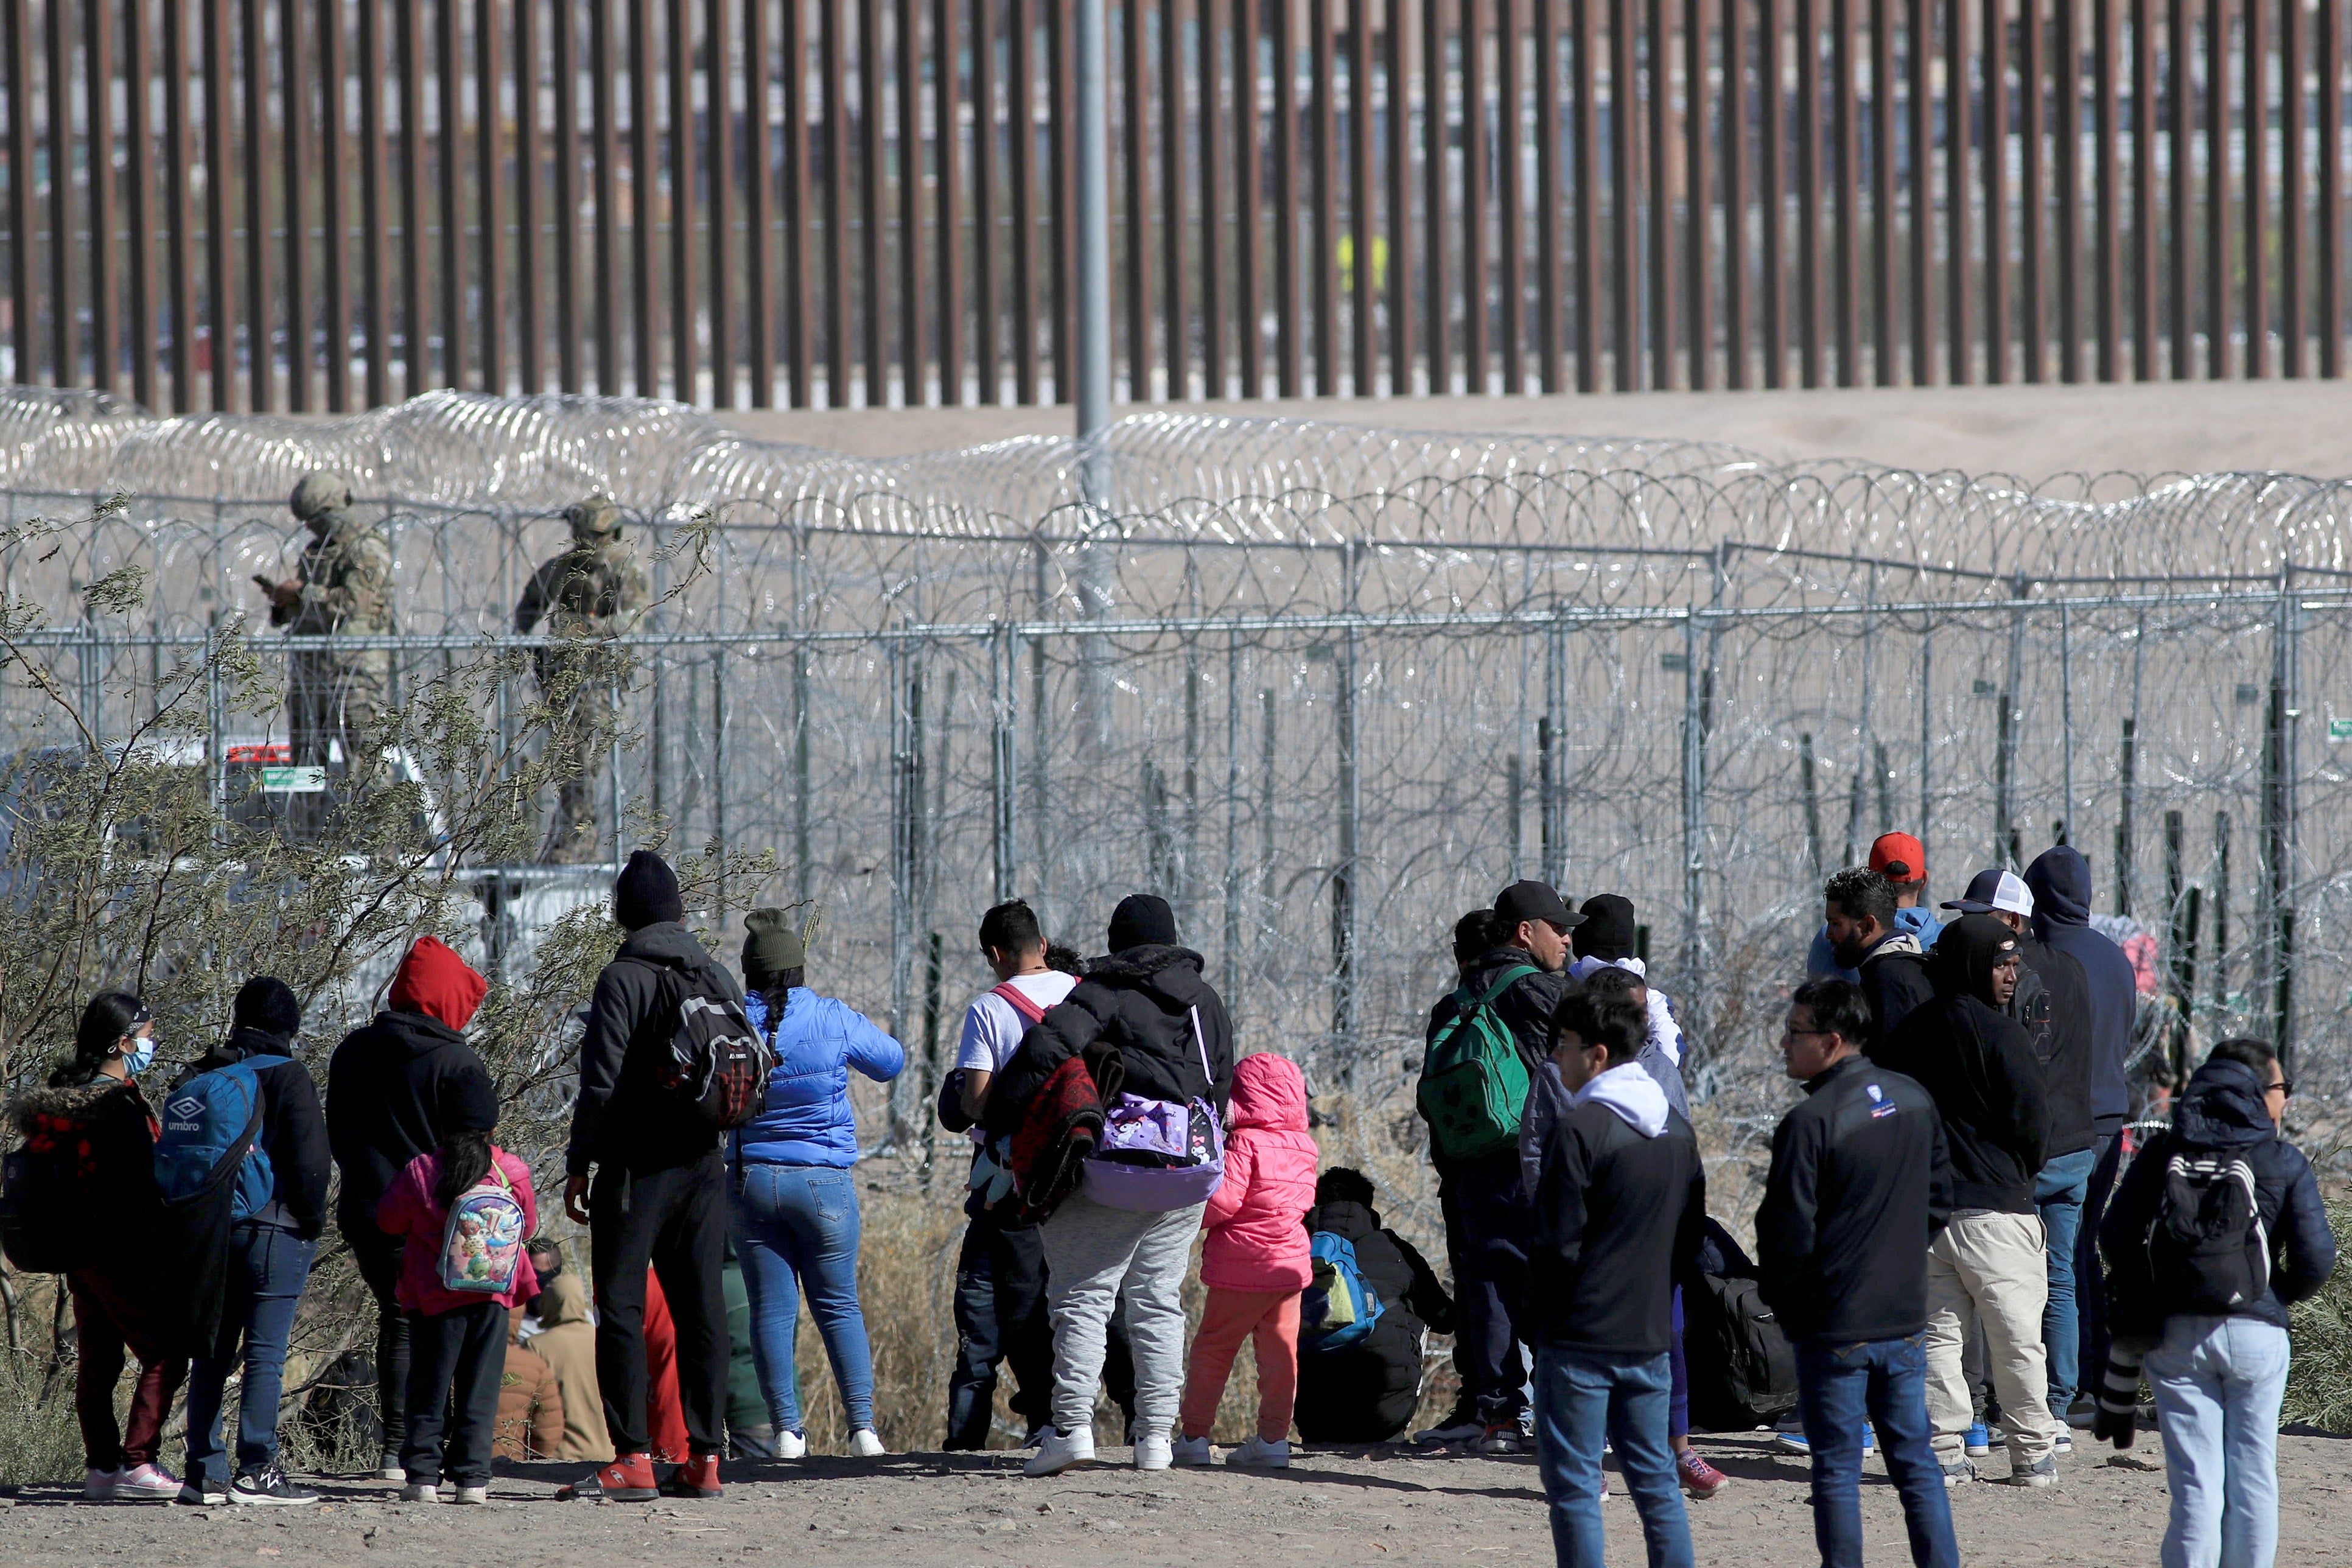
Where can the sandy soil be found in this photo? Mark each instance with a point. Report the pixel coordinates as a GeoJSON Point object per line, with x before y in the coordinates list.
{"type": "Point", "coordinates": [2295, 426]}
{"type": "Point", "coordinates": [953, 1510]}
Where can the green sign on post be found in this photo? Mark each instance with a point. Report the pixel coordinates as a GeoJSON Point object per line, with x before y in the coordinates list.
{"type": "Point", "coordinates": [2339, 729]}
{"type": "Point", "coordinates": [293, 781]}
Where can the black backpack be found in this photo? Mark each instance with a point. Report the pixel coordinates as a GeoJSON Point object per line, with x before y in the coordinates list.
{"type": "Point", "coordinates": [44, 1227]}
{"type": "Point", "coordinates": [2208, 1251]}
{"type": "Point", "coordinates": [716, 1062]}
{"type": "Point", "coordinates": [1743, 1372]}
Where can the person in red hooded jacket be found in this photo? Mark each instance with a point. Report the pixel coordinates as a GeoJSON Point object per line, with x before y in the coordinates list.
{"type": "Point", "coordinates": [394, 1087]}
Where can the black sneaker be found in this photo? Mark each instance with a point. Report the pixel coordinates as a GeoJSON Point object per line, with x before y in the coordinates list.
{"type": "Point", "coordinates": [268, 1486]}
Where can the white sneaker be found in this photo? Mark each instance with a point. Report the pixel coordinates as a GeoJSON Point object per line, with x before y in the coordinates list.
{"type": "Point", "coordinates": [472, 1494]}
{"type": "Point", "coordinates": [98, 1486]}
{"type": "Point", "coordinates": [418, 1491]}
{"type": "Point", "coordinates": [792, 1444]}
{"type": "Point", "coordinates": [1189, 1452]}
{"type": "Point", "coordinates": [866, 1445]}
{"type": "Point", "coordinates": [1061, 1450]}
{"type": "Point", "coordinates": [1275, 1456]}
{"type": "Point", "coordinates": [1153, 1453]}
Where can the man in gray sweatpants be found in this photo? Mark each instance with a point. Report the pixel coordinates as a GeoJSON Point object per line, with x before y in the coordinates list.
{"type": "Point", "coordinates": [1099, 1260]}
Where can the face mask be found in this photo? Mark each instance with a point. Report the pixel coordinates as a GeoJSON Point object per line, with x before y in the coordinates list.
{"type": "Point", "coordinates": [140, 1054]}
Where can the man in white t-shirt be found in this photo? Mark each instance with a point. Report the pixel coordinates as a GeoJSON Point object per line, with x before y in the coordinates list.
{"type": "Point", "coordinates": [1000, 1300]}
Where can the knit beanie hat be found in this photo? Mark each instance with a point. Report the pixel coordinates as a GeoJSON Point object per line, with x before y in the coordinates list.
{"type": "Point", "coordinates": [645, 892]}
{"type": "Point", "coordinates": [267, 1002]}
{"type": "Point", "coordinates": [1143, 919]}
{"type": "Point", "coordinates": [1608, 932]}
{"type": "Point", "coordinates": [434, 981]}
{"type": "Point", "coordinates": [772, 944]}
{"type": "Point", "coordinates": [469, 1104]}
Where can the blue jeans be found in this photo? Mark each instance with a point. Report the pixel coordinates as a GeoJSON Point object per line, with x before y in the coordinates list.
{"type": "Point", "coordinates": [267, 1270]}
{"type": "Point", "coordinates": [795, 1226]}
{"type": "Point", "coordinates": [2218, 1382]}
{"type": "Point", "coordinates": [1884, 1380]}
{"type": "Point", "coordinates": [2059, 1194]}
{"type": "Point", "coordinates": [1582, 1398]}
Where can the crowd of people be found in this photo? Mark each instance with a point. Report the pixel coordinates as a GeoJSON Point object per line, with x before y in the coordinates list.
{"type": "Point", "coordinates": [1943, 1240]}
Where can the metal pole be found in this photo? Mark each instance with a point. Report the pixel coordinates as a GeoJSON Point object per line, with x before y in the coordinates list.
{"type": "Point", "coordinates": [1092, 370]}
{"type": "Point", "coordinates": [1232, 805]}
{"type": "Point", "coordinates": [1555, 753]}
{"type": "Point", "coordinates": [2066, 714]}
{"type": "Point", "coordinates": [999, 759]}
{"type": "Point", "coordinates": [1693, 813]}
{"type": "Point", "coordinates": [1343, 883]}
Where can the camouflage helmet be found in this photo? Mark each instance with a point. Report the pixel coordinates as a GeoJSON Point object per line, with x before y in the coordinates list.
{"type": "Point", "coordinates": [319, 492]}
{"type": "Point", "coordinates": [597, 517]}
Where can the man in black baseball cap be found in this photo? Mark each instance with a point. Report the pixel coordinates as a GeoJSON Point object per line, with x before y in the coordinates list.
{"type": "Point", "coordinates": [1489, 1219]}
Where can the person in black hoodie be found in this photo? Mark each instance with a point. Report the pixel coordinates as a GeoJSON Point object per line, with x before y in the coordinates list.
{"type": "Point", "coordinates": [1858, 915]}
{"type": "Point", "coordinates": [270, 1253]}
{"type": "Point", "coordinates": [1978, 1064]}
{"type": "Point", "coordinates": [2053, 1003]}
{"type": "Point", "coordinates": [1489, 1219]}
{"type": "Point", "coordinates": [1147, 1004]}
{"type": "Point", "coordinates": [2060, 881]}
{"type": "Point", "coordinates": [393, 1088]}
{"type": "Point", "coordinates": [1860, 1187]}
{"type": "Point", "coordinates": [1621, 1207]}
{"type": "Point", "coordinates": [659, 1193]}
{"type": "Point", "coordinates": [2218, 1366]}
{"type": "Point", "coordinates": [92, 1132]}
{"type": "Point", "coordinates": [1367, 1392]}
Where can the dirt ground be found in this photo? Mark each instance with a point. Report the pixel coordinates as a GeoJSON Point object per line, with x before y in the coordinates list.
{"type": "Point", "coordinates": [931, 1511]}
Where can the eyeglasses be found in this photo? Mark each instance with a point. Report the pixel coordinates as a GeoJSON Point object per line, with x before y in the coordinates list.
{"type": "Point", "coordinates": [1789, 1033]}
{"type": "Point", "coordinates": [2283, 1089]}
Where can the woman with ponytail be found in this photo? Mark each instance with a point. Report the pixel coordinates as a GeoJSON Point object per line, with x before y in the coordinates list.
{"type": "Point", "coordinates": [458, 1281]}
{"type": "Point", "coordinates": [92, 1134]}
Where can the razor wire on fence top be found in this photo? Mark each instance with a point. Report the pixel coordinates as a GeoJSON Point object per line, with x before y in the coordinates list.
{"type": "Point", "coordinates": [1327, 688]}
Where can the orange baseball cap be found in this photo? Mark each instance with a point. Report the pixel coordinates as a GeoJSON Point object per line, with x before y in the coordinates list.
{"type": "Point", "coordinates": [1899, 858]}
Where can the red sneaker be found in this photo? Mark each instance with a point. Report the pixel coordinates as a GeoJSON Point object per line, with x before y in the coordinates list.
{"type": "Point", "coordinates": [629, 1479]}
{"type": "Point", "coordinates": [1700, 1479]}
{"type": "Point", "coordinates": [696, 1478]}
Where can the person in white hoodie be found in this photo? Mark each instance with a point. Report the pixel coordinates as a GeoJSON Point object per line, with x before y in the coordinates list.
{"type": "Point", "coordinates": [1621, 1201]}
{"type": "Point", "coordinates": [1609, 937]}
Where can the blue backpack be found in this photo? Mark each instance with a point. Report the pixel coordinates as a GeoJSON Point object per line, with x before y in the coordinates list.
{"type": "Point", "coordinates": [210, 1123]}
{"type": "Point", "coordinates": [1337, 1309]}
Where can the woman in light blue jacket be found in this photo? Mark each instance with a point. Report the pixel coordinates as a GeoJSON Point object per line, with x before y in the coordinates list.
{"type": "Point", "coordinates": [792, 1199]}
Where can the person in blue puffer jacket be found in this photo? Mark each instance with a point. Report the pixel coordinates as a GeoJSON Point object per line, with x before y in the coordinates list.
{"type": "Point", "coordinates": [791, 1199]}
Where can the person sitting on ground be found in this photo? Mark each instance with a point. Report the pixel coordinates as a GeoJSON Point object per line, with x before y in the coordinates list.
{"type": "Point", "coordinates": [1900, 859]}
{"type": "Point", "coordinates": [1367, 1392]}
{"type": "Point", "coordinates": [1978, 1064]}
{"type": "Point", "coordinates": [1254, 1262]}
{"type": "Point", "coordinates": [1860, 1186]}
{"type": "Point", "coordinates": [91, 1132]}
{"type": "Point", "coordinates": [2212, 1321]}
{"type": "Point", "coordinates": [793, 1199]}
{"type": "Point", "coordinates": [530, 1403]}
{"type": "Point", "coordinates": [1147, 1003]}
{"type": "Point", "coordinates": [458, 1337]}
{"type": "Point", "coordinates": [566, 1341]}
{"type": "Point", "coordinates": [1621, 1205]}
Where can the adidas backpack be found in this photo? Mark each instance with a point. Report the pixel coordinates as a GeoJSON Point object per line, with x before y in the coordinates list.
{"type": "Point", "coordinates": [1474, 1081]}
{"type": "Point", "coordinates": [481, 1244]}
{"type": "Point", "coordinates": [210, 1123]}
{"type": "Point", "coordinates": [1338, 1307]}
{"type": "Point", "coordinates": [2208, 1251]}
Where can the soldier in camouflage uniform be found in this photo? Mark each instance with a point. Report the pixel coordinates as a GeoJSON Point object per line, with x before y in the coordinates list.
{"type": "Point", "coordinates": [595, 589]}
{"type": "Point", "coordinates": [343, 587]}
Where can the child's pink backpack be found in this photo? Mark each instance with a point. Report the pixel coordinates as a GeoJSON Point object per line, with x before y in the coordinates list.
{"type": "Point", "coordinates": [481, 1245]}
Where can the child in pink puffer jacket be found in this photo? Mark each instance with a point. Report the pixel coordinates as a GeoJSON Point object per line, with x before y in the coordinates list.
{"type": "Point", "coordinates": [1254, 1262]}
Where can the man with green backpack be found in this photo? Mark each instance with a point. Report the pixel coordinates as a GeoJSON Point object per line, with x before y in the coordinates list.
{"type": "Point", "coordinates": [1486, 1041]}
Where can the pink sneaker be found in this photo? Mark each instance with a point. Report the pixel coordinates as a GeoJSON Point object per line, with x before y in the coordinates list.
{"type": "Point", "coordinates": [146, 1483]}
{"type": "Point", "coordinates": [1700, 1479]}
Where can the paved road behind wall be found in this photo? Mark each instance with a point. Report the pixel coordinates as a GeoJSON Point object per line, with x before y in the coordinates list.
{"type": "Point", "coordinates": [2303, 426]}
{"type": "Point", "coordinates": [961, 1510]}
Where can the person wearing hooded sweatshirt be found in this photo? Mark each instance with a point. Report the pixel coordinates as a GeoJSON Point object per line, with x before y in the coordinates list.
{"type": "Point", "coordinates": [1147, 1002]}
{"type": "Point", "coordinates": [659, 1190]}
{"type": "Point", "coordinates": [566, 1341]}
{"type": "Point", "coordinates": [1978, 1064]}
{"type": "Point", "coordinates": [792, 1201]}
{"type": "Point", "coordinates": [1607, 939]}
{"type": "Point", "coordinates": [1254, 1262]}
{"type": "Point", "coordinates": [392, 1086]}
{"type": "Point", "coordinates": [2218, 1366]}
{"type": "Point", "coordinates": [1489, 1220]}
{"type": "Point", "coordinates": [1367, 1392]}
{"type": "Point", "coordinates": [1620, 1205]}
{"type": "Point", "coordinates": [1861, 1186]}
{"type": "Point", "coordinates": [2060, 881]}
{"type": "Point", "coordinates": [92, 1131]}
{"type": "Point", "coordinates": [270, 1253]}
{"type": "Point", "coordinates": [1888, 962]}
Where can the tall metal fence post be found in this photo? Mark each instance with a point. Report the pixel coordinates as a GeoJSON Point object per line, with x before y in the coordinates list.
{"type": "Point", "coordinates": [613, 771]}
{"type": "Point", "coordinates": [1229, 974]}
{"type": "Point", "coordinates": [1343, 877]}
{"type": "Point", "coordinates": [2065, 834]}
{"type": "Point", "coordinates": [216, 717]}
{"type": "Point", "coordinates": [801, 872]}
{"type": "Point", "coordinates": [1552, 743]}
{"type": "Point", "coordinates": [1927, 739]}
{"type": "Point", "coordinates": [1694, 821]}
{"type": "Point", "coordinates": [1091, 38]}
{"type": "Point", "coordinates": [1001, 779]}
{"type": "Point", "coordinates": [2279, 814]}
{"type": "Point", "coordinates": [906, 838]}
{"type": "Point", "coordinates": [719, 761]}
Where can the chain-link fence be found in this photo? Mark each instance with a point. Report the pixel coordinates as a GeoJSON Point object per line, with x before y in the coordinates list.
{"type": "Point", "coordinates": [1329, 689]}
